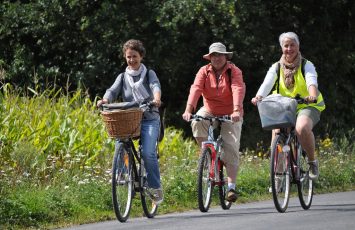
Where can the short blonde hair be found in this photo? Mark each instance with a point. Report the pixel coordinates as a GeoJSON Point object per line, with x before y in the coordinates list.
{"type": "Point", "coordinates": [290, 35]}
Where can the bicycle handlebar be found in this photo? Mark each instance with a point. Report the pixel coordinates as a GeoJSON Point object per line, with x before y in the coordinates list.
{"type": "Point", "coordinates": [127, 105]}
{"type": "Point", "coordinates": [298, 98]}
{"type": "Point", "coordinates": [301, 100]}
{"type": "Point", "coordinates": [225, 118]}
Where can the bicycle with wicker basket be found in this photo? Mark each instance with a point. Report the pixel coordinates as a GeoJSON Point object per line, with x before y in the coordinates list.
{"type": "Point", "coordinates": [128, 173]}
{"type": "Point", "coordinates": [289, 162]}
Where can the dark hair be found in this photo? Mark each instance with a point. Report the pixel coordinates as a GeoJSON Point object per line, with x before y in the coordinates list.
{"type": "Point", "coordinates": [134, 45]}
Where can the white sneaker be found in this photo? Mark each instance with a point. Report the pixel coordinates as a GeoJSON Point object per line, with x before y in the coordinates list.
{"type": "Point", "coordinates": [313, 170]}
{"type": "Point", "coordinates": [156, 194]}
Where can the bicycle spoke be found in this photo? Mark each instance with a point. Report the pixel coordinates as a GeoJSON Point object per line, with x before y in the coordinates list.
{"type": "Point", "coordinates": [122, 183]}
{"type": "Point", "coordinates": [222, 188]}
{"type": "Point", "coordinates": [305, 184]}
{"type": "Point", "coordinates": [204, 183]}
{"type": "Point", "coordinates": [280, 177]}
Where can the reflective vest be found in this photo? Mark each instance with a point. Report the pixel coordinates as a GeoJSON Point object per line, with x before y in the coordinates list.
{"type": "Point", "coordinates": [300, 88]}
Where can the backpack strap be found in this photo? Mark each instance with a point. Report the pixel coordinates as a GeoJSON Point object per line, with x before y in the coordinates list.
{"type": "Point", "coordinates": [229, 74]}
{"type": "Point", "coordinates": [146, 76]}
{"type": "Point", "coordinates": [277, 85]}
{"type": "Point", "coordinates": [304, 61]}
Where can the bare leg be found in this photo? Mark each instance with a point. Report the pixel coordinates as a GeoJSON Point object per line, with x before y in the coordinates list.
{"type": "Point", "coordinates": [199, 140]}
{"type": "Point", "coordinates": [305, 135]}
{"type": "Point", "coordinates": [273, 134]}
{"type": "Point", "coordinates": [232, 173]}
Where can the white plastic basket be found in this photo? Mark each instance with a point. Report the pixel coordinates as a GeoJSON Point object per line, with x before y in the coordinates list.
{"type": "Point", "coordinates": [277, 111]}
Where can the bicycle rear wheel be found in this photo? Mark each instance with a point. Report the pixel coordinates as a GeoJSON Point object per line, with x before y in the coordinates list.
{"type": "Point", "coordinates": [280, 175]}
{"type": "Point", "coordinates": [204, 183]}
{"type": "Point", "coordinates": [149, 208]}
{"type": "Point", "coordinates": [122, 182]}
{"type": "Point", "coordinates": [304, 185]}
{"type": "Point", "coordinates": [223, 188]}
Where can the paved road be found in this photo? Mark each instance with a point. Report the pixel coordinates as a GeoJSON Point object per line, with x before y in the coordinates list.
{"type": "Point", "coordinates": [328, 211]}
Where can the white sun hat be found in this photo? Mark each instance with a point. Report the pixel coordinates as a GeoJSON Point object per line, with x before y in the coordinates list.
{"type": "Point", "coordinates": [217, 47]}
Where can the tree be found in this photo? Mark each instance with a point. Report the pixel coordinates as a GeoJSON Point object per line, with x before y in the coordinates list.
{"type": "Point", "coordinates": [78, 43]}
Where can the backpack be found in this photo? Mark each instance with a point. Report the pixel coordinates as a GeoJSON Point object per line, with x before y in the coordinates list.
{"type": "Point", "coordinates": [276, 85]}
{"type": "Point", "coordinates": [161, 111]}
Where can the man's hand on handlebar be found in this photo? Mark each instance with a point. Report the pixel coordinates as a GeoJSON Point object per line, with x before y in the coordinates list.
{"type": "Point", "coordinates": [186, 116]}
{"type": "Point", "coordinates": [235, 116]}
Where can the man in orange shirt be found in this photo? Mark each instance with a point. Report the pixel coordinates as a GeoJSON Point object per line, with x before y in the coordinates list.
{"type": "Point", "coordinates": [223, 90]}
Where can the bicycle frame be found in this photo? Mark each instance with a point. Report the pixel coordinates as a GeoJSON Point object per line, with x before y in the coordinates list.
{"type": "Point", "coordinates": [291, 142]}
{"type": "Point", "coordinates": [214, 146]}
{"type": "Point", "coordinates": [136, 157]}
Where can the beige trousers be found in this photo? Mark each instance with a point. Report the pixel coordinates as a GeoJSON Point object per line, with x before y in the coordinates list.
{"type": "Point", "coordinates": [230, 133]}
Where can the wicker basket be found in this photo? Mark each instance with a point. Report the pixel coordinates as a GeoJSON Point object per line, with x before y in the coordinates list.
{"type": "Point", "coordinates": [123, 123]}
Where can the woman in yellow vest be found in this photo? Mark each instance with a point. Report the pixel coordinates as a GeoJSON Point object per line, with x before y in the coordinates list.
{"type": "Point", "coordinates": [290, 76]}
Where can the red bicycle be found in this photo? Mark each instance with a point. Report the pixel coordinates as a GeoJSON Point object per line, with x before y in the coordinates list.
{"type": "Point", "coordinates": [211, 170]}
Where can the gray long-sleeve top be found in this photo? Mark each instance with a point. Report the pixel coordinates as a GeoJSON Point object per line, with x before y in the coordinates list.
{"type": "Point", "coordinates": [121, 87]}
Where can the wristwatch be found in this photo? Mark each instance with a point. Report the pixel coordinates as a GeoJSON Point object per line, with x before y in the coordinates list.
{"type": "Point", "coordinates": [236, 108]}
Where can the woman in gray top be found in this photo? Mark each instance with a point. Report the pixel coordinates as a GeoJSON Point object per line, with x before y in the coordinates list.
{"type": "Point", "coordinates": [139, 84]}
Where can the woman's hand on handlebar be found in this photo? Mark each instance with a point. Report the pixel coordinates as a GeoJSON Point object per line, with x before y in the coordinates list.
{"type": "Point", "coordinates": [306, 100]}
{"type": "Point", "coordinates": [157, 102]}
{"type": "Point", "coordinates": [256, 99]}
{"type": "Point", "coordinates": [311, 99]}
{"type": "Point", "coordinates": [101, 102]}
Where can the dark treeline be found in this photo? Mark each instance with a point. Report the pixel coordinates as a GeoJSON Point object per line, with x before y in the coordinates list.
{"type": "Point", "coordinates": [75, 44]}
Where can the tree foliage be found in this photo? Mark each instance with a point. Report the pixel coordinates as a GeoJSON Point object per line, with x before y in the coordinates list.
{"type": "Point", "coordinates": [78, 44]}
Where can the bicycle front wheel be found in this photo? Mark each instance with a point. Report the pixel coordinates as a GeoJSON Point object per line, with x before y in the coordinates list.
{"type": "Point", "coordinates": [304, 185]}
{"type": "Point", "coordinates": [122, 182]}
{"type": "Point", "coordinates": [223, 188]}
{"type": "Point", "coordinates": [204, 183]}
{"type": "Point", "coordinates": [280, 175]}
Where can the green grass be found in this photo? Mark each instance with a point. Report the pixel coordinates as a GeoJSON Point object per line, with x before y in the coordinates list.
{"type": "Point", "coordinates": [56, 158]}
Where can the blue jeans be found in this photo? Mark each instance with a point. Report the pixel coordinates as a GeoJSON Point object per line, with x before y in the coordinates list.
{"type": "Point", "coordinates": [149, 137]}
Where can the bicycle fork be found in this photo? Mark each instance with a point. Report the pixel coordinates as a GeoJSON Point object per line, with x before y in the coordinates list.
{"type": "Point", "coordinates": [215, 163]}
